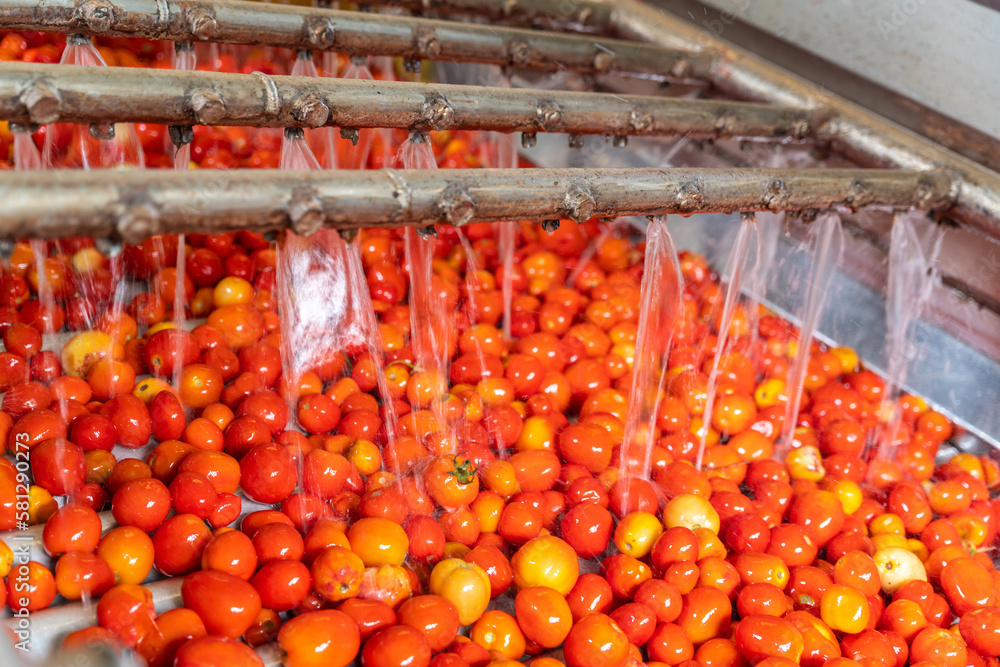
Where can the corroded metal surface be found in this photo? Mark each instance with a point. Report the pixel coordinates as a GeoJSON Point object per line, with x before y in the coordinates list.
{"type": "Point", "coordinates": [137, 204]}
{"type": "Point", "coordinates": [48, 93]}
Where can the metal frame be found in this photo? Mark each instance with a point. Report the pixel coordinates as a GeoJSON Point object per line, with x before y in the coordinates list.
{"type": "Point", "coordinates": [859, 134]}
{"type": "Point", "coordinates": [40, 94]}
{"type": "Point", "coordinates": [135, 205]}
{"type": "Point", "coordinates": [352, 32]}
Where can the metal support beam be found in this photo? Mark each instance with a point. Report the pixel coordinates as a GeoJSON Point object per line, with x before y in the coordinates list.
{"type": "Point", "coordinates": [351, 32]}
{"type": "Point", "coordinates": [40, 94]}
{"type": "Point", "coordinates": [861, 135]}
{"type": "Point", "coordinates": [138, 204]}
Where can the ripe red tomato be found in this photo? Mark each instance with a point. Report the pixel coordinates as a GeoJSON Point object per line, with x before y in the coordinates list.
{"type": "Point", "coordinates": [227, 605]}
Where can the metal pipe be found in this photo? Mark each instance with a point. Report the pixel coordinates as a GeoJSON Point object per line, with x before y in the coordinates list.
{"type": "Point", "coordinates": [352, 32]}
{"type": "Point", "coordinates": [580, 15]}
{"type": "Point", "coordinates": [861, 135]}
{"type": "Point", "coordinates": [31, 93]}
{"type": "Point", "coordinates": [138, 204]}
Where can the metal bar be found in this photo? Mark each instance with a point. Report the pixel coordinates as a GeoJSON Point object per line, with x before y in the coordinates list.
{"type": "Point", "coordinates": [580, 15]}
{"type": "Point", "coordinates": [352, 32]}
{"type": "Point", "coordinates": [861, 135]}
{"type": "Point", "coordinates": [135, 205]}
{"type": "Point", "coordinates": [50, 93]}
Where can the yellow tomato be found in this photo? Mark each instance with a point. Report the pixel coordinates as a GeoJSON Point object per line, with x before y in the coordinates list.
{"type": "Point", "coordinates": [6, 559]}
{"type": "Point", "coordinates": [546, 561]}
{"type": "Point", "coordinates": [690, 511]}
{"type": "Point", "coordinates": [636, 533]}
{"type": "Point", "coordinates": [129, 553]}
{"type": "Point", "coordinates": [499, 633]}
{"type": "Point", "coordinates": [466, 585]}
{"type": "Point", "coordinates": [378, 541]}
{"type": "Point", "coordinates": [41, 505]}
{"type": "Point", "coordinates": [844, 609]}
{"type": "Point", "coordinates": [84, 350]}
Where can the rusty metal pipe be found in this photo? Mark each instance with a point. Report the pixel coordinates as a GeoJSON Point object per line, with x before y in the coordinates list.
{"type": "Point", "coordinates": [861, 135]}
{"type": "Point", "coordinates": [49, 93]}
{"type": "Point", "coordinates": [138, 204]}
{"type": "Point", "coordinates": [352, 32]}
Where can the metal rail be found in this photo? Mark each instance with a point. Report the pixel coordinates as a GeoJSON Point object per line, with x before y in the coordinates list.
{"type": "Point", "coordinates": [352, 32]}
{"type": "Point", "coordinates": [135, 205]}
{"type": "Point", "coordinates": [861, 135]}
{"type": "Point", "coordinates": [31, 93]}
{"type": "Point", "coordinates": [581, 15]}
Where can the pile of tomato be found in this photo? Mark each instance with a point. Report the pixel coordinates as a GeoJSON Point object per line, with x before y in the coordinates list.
{"type": "Point", "coordinates": [485, 524]}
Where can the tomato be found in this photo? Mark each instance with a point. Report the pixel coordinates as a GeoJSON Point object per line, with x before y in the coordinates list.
{"type": "Point", "coordinates": [844, 609]}
{"type": "Point", "coordinates": [129, 552]}
{"type": "Point", "coordinates": [370, 615]}
{"type": "Point", "coordinates": [127, 611]}
{"type": "Point", "coordinates": [500, 634]}
{"type": "Point", "coordinates": [337, 573]}
{"type": "Point", "coordinates": [282, 584]}
{"type": "Point", "coordinates": [268, 473]}
{"type": "Point", "coordinates": [436, 617]}
{"type": "Point", "coordinates": [596, 641]}
{"type": "Point", "coordinates": [231, 552]}
{"type": "Point", "coordinates": [546, 561]}
{"type": "Point", "coordinates": [587, 529]}
{"type": "Point", "coordinates": [464, 584]}
{"type": "Point", "coordinates": [496, 566]}
{"type": "Point", "coordinates": [81, 575]}
{"type": "Point", "coordinates": [705, 614]}
{"type": "Point", "coordinates": [58, 466]}
{"type": "Point", "coordinates": [378, 542]}
{"type": "Point", "coordinates": [451, 481]}
{"type": "Point", "coordinates": [761, 637]}
{"type": "Point", "coordinates": [544, 615]}
{"type": "Point", "coordinates": [143, 503]}
{"type": "Point", "coordinates": [213, 650]}
{"type": "Point", "coordinates": [397, 645]}
{"type": "Point", "coordinates": [176, 627]}
{"type": "Point", "coordinates": [72, 528]}
{"type": "Point", "coordinates": [178, 544]}
{"type": "Point", "coordinates": [980, 628]}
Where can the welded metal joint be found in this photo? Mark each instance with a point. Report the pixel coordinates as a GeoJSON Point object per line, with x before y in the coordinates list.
{"type": "Point", "coordinates": [858, 196]}
{"type": "Point", "coordinates": [426, 43]}
{"type": "Point", "coordinates": [320, 32]}
{"type": "Point", "coordinates": [401, 191]}
{"type": "Point", "coordinates": [579, 203]}
{"type": "Point", "coordinates": [180, 135]}
{"type": "Point", "coordinates": [311, 110]}
{"type": "Point", "coordinates": [604, 60]}
{"type": "Point", "coordinates": [690, 198]}
{"type": "Point", "coordinates": [305, 211]}
{"type": "Point", "coordinates": [351, 134]}
{"type": "Point", "coordinates": [98, 15]}
{"type": "Point", "coordinates": [456, 205]}
{"type": "Point", "coordinates": [41, 102]}
{"type": "Point", "coordinates": [272, 99]}
{"type": "Point", "coordinates": [208, 107]}
{"type": "Point", "coordinates": [201, 22]}
{"type": "Point", "coordinates": [640, 121]}
{"type": "Point", "coordinates": [776, 196]}
{"type": "Point", "coordinates": [518, 52]}
{"type": "Point", "coordinates": [549, 116]}
{"type": "Point", "coordinates": [102, 131]}
{"type": "Point", "coordinates": [436, 113]}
